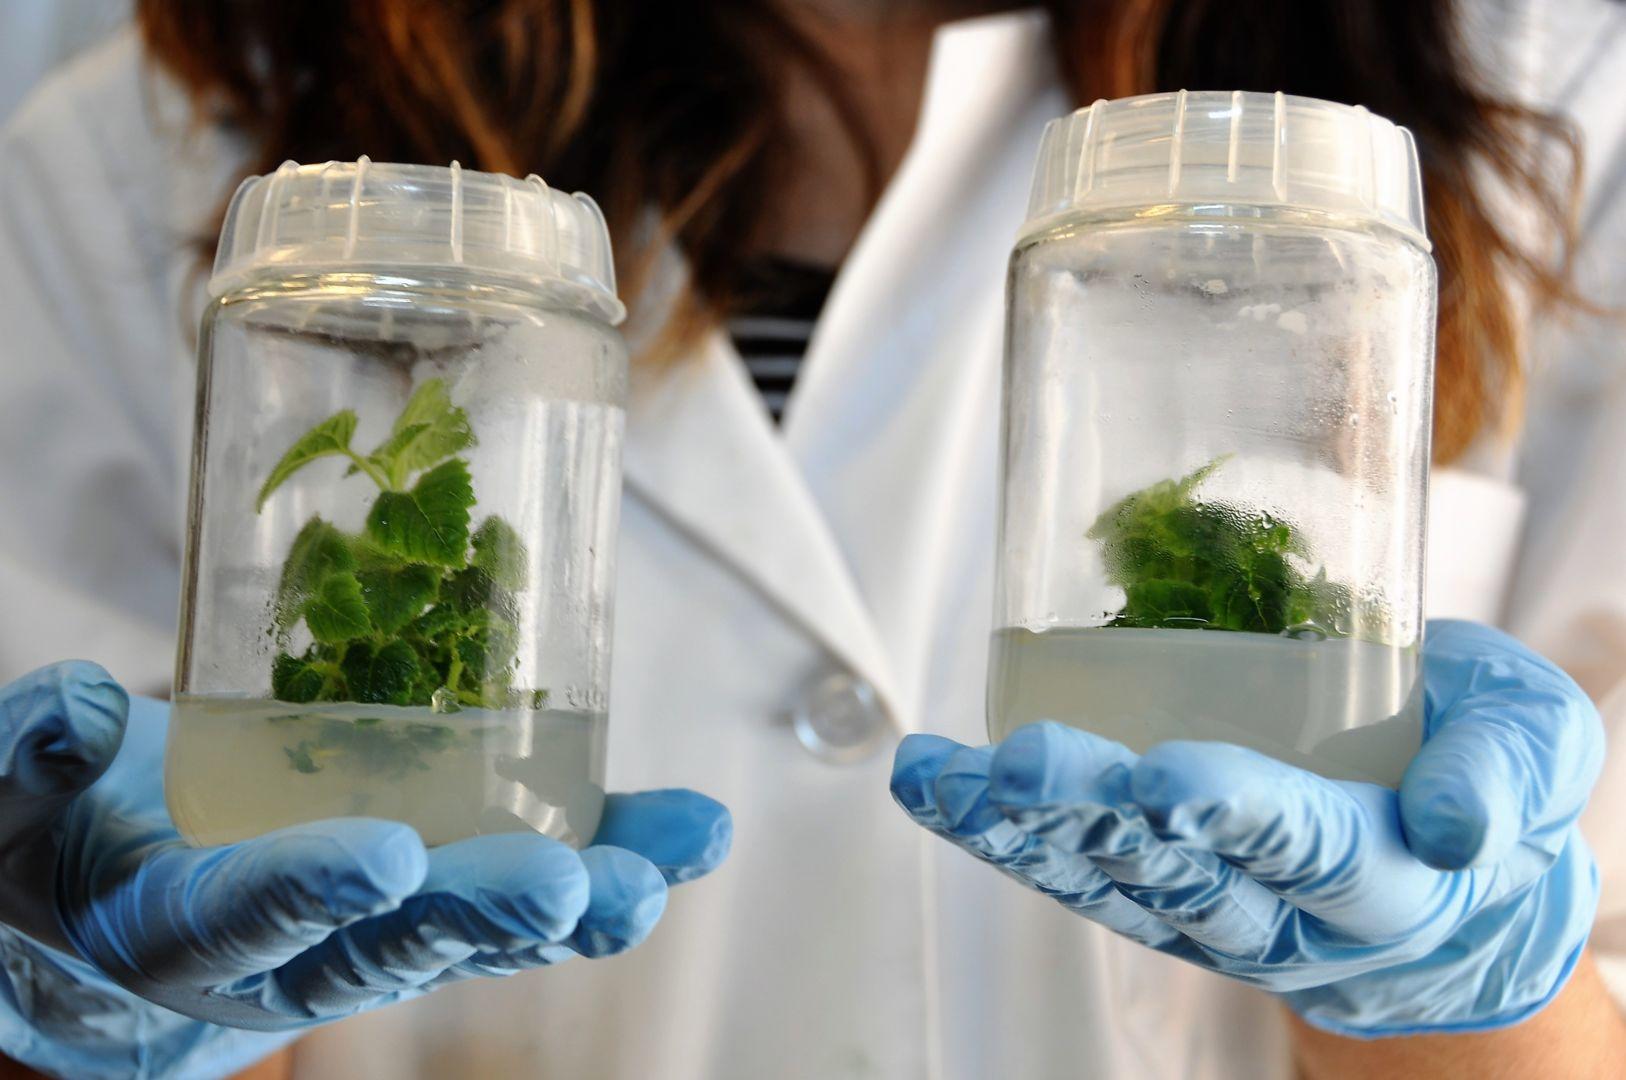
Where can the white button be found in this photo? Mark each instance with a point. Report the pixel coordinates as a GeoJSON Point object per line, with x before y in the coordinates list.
{"type": "Point", "coordinates": [839, 718]}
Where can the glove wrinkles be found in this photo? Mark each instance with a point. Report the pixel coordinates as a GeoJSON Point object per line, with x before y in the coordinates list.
{"type": "Point", "coordinates": [1460, 903]}
{"type": "Point", "coordinates": [127, 953]}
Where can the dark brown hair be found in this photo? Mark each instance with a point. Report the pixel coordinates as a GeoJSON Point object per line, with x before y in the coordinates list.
{"type": "Point", "coordinates": [673, 107]}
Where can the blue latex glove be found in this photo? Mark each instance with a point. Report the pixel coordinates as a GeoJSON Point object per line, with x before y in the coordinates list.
{"type": "Point", "coordinates": [127, 953]}
{"type": "Point", "coordinates": [1460, 903]}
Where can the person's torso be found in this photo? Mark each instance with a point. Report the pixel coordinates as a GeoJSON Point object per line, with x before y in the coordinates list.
{"type": "Point", "coordinates": [841, 569]}
{"type": "Point", "coordinates": [766, 574]}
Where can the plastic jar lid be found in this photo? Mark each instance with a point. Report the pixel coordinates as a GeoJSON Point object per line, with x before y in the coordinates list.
{"type": "Point", "coordinates": [1230, 148]}
{"type": "Point", "coordinates": [365, 216]}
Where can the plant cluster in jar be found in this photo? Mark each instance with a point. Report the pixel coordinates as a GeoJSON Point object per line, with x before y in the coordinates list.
{"type": "Point", "coordinates": [1186, 563]}
{"type": "Point", "coordinates": [418, 608]}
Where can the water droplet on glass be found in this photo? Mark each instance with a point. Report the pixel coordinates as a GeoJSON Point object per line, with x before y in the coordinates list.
{"type": "Point", "coordinates": [1177, 622]}
{"type": "Point", "coordinates": [1354, 419]}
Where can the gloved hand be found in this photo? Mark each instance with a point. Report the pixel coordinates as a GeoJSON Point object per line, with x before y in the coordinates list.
{"type": "Point", "coordinates": [126, 953]}
{"type": "Point", "coordinates": [1460, 903]}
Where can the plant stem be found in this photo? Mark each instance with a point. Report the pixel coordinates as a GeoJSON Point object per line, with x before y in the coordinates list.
{"type": "Point", "coordinates": [372, 471]}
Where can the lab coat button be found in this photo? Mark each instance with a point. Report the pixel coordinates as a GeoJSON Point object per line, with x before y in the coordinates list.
{"type": "Point", "coordinates": [838, 718]}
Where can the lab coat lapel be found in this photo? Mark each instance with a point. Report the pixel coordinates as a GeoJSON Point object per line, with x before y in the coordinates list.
{"type": "Point", "coordinates": [702, 450]}
{"type": "Point", "coordinates": [895, 417]}
{"type": "Point", "coordinates": [851, 521]}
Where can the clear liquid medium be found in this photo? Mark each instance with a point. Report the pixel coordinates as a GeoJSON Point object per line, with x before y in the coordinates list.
{"type": "Point", "coordinates": [1342, 707]}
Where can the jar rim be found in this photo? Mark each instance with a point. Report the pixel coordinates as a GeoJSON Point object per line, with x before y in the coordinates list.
{"type": "Point", "coordinates": [1192, 148]}
{"type": "Point", "coordinates": [1213, 212]}
{"type": "Point", "coordinates": [558, 293]}
{"type": "Point", "coordinates": [341, 216]}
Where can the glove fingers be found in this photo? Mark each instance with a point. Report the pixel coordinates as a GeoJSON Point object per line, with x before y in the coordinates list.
{"type": "Point", "coordinates": [1072, 790]}
{"type": "Point", "coordinates": [628, 896]}
{"type": "Point", "coordinates": [203, 917]}
{"type": "Point", "coordinates": [685, 834]}
{"type": "Point", "coordinates": [627, 899]}
{"type": "Point", "coordinates": [489, 894]}
{"type": "Point", "coordinates": [917, 766]}
{"type": "Point", "coordinates": [1514, 747]}
{"type": "Point", "coordinates": [60, 728]}
{"type": "Point", "coordinates": [1329, 849]}
{"type": "Point", "coordinates": [500, 965]}
{"type": "Point", "coordinates": [930, 780]}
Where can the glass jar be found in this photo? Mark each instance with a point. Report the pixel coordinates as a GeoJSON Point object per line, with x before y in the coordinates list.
{"type": "Point", "coordinates": [398, 577]}
{"type": "Point", "coordinates": [1218, 386]}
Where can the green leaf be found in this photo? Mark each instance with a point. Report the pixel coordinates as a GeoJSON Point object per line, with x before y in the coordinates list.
{"type": "Point", "coordinates": [500, 552]}
{"type": "Point", "coordinates": [428, 406]}
{"type": "Point", "coordinates": [474, 593]}
{"type": "Point", "coordinates": [1170, 604]}
{"type": "Point", "coordinates": [429, 430]}
{"type": "Point", "coordinates": [297, 680]}
{"type": "Point", "coordinates": [329, 438]}
{"type": "Point", "coordinates": [430, 523]}
{"type": "Point", "coordinates": [1333, 609]}
{"type": "Point", "coordinates": [1147, 510]}
{"type": "Point", "coordinates": [337, 612]}
{"type": "Point", "coordinates": [1253, 603]}
{"type": "Point", "coordinates": [395, 595]}
{"type": "Point", "coordinates": [487, 651]}
{"type": "Point", "coordinates": [430, 678]}
{"type": "Point", "coordinates": [439, 621]}
{"type": "Point", "coordinates": [317, 552]}
{"type": "Point", "coordinates": [381, 676]}
{"type": "Point", "coordinates": [469, 590]}
{"type": "Point", "coordinates": [369, 556]}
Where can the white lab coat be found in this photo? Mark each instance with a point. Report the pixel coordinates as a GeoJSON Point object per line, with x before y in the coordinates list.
{"type": "Point", "coordinates": [37, 35]}
{"type": "Point", "coordinates": [839, 940]}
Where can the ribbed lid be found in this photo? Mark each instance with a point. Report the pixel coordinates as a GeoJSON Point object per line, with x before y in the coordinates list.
{"type": "Point", "coordinates": [361, 215]}
{"type": "Point", "coordinates": [1229, 147]}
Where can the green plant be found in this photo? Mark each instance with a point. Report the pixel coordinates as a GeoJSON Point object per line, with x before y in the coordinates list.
{"type": "Point", "coordinates": [417, 608]}
{"type": "Point", "coordinates": [1186, 563]}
